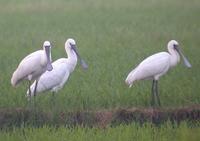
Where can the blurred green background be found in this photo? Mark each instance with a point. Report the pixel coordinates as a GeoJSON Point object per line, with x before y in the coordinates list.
{"type": "Point", "coordinates": [113, 36]}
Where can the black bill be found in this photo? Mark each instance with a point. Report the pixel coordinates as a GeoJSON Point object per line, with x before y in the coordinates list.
{"type": "Point", "coordinates": [185, 60]}
{"type": "Point", "coordinates": [48, 54]}
{"type": "Point", "coordinates": [83, 63]}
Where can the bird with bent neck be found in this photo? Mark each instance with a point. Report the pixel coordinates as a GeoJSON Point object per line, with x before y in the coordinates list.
{"type": "Point", "coordinates": [62, 68]}
{"type": "Point", "coordinates": [154, 66]}
{"type": "Point", "coordinates": [33, 66]}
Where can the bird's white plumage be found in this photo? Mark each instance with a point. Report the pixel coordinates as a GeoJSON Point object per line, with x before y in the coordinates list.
{"type": "Point", "coordinates": [151, 68]}
{"type": "Point", "coordinates": [155, 66]}
{"type": "Point", "coordinates": [55, 79]}
{"type": "Point", "coordinates": [31, 67]}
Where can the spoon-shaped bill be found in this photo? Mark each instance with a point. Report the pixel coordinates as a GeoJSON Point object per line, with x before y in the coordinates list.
{"type": "Point", "coordinates": [83, 63]}
{"type": "Point", "coordinates": [185, 60]}
{"type": "Point", "coordinates": [49, 67]}
{"type": "Point", "coordinates": [48, 54]}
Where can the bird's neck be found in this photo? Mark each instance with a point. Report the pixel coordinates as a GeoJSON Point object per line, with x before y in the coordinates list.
{"type": "Point", "coordinates": [72, 59]}
{"type": "Point", "coordinates": [175, 57]}
{"type": "Point", "coordinates": [44, 58]}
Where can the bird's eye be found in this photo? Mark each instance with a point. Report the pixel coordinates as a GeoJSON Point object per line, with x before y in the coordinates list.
{"type": "Point", "coordinates": [175, 45]}
{"type": "Point", "coordinates": [71, 44]}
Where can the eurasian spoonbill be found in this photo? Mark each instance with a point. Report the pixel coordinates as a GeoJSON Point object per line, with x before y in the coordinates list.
{"type": "Point", "coordinates": [33, 65]}
{"type": "Point", "coordinates": [157, 65]}
{"type": "Point", "coordinates": [62, 68]}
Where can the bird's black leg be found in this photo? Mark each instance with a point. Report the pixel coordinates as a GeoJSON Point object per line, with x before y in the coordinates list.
{"type": "Point", "coordinates": [53, 98]}
{"type": "Point", "coordinates": [29, 93]}
{"type": "Point", "coordinates": [53, 101]}
{"type": "Point", "coordinates": [35, 88]}
{"type": "Point", "coordinates": [29, 88]}
{"type": "Point", "coordinates": [157, 94]}
{"type": "Point", "coordinates": [153, 93]}
{"type": "Point", "coordinates": [34, 94]}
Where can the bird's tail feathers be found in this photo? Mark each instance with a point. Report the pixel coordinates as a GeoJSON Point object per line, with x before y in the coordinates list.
{"type": "Point", "coordinates": [30, 94]}
{"type": "Point", "coordinates": [130, 85]}
{"type": "Point", "coordinates": [14, 80]}
{"type": "Point", "coordinates": [130, 78]}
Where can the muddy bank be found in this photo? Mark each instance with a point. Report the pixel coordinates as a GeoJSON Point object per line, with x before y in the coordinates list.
{"type": "Point", "coordinates": [20, 116]}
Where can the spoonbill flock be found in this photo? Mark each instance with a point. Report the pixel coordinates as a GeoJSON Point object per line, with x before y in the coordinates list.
{"type": "Point", "coordinates": [37, 67]}
{"type": "Point", "coordinates": [33, 66]}
{"type": "Point", "coordinates": [54, 80]}
{"type": "Point", "coordinates": [153, 67]}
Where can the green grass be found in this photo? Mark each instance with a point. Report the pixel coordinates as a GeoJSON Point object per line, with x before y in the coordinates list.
{"type": "Point", "coordinates": [131, 132]}
{"type": "Point", "coordinates": [113, 37]}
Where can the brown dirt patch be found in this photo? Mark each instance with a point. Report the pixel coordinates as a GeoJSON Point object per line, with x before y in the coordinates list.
{"type": "Point", "coordinates": [10, 117]}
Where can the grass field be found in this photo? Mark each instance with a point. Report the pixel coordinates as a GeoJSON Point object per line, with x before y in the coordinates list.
{"type": "Point", "coordinates": [112, 36]}
{"type": "Point", "coordinates": [149, 132]}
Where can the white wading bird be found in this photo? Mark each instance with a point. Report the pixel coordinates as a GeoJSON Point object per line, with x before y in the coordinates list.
{"type": "Point", "coordinates": [157, 65]}
{"type": "Point", "coordinates": [62, 68]}
{"type": "Point", "coordinates": [33, 65]}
